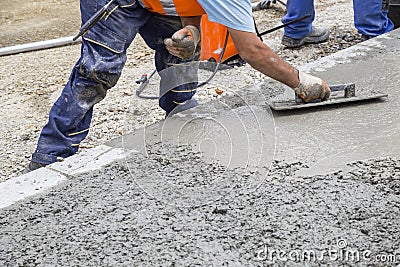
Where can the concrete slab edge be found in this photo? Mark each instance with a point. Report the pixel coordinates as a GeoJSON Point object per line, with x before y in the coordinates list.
{"type": "Point", "coordinates": [26, 185]}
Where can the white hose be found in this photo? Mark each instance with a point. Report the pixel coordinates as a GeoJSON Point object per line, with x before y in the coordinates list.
{"type": "Point", "coordinates": [11, 50]}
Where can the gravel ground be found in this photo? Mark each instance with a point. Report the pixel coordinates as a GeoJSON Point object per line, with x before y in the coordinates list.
{"type": "Point", "coordinates": [105, 219]}
{"type": "Point", "coordinates": [30, 83]}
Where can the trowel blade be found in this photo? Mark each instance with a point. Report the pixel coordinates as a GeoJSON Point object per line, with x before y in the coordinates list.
{"type": "Point", "coordinates": [292, 104]}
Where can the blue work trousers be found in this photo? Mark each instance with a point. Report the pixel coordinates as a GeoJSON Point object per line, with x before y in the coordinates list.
{"type": "Point", "coordinates": [369, 18]}
{"type": "Point", "coordinates": [297, 9]}
{"type": "Point", "coordinates": [103, 56]}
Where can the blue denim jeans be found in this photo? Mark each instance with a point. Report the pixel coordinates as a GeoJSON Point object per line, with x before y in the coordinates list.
{"type": "Point", "coordinates": [297, 9]}
{"type": "Point", "coordinates": [103, 56]}
{"type": "Point", "coordinates": [369, 18]}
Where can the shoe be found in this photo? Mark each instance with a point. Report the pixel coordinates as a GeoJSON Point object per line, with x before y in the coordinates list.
{"type": "Point", "coordinates": [365, 37]}
{"type": "Point", "coordinates": [317, 35]}
{"type": "Point", "coordinates": [33, 166]}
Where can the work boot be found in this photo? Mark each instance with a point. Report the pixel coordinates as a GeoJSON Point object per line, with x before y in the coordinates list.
{"type": "Point", "coordinates": [33, 166]}
{"type": "Point", "coordinates": [317, 35]}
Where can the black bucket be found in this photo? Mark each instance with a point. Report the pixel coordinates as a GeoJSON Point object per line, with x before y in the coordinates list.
{"type": "Point", "coordinates": [394, 15]}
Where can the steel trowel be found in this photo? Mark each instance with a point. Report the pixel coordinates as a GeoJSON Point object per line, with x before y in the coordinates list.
{"type": "Point", "coordinates": [342, 93]}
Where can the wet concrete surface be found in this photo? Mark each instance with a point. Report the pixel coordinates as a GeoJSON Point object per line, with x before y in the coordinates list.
{"type": "Point", "coordinates": [330, 137]}
{"type": "Point", "coordinates": [326, 194]}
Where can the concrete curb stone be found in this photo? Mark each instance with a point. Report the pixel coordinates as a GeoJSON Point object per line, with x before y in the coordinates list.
{"type": "Point", "coordinates": [32, 183]}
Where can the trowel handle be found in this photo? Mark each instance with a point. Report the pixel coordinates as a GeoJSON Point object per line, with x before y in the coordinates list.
{"type": "Point", "coordinates": [348, 88]}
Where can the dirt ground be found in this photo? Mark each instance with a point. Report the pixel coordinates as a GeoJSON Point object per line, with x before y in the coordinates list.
{"type": "Point", "coordinates": [30, 21]}
{"type": "Point", "coordinates": [31, 82]}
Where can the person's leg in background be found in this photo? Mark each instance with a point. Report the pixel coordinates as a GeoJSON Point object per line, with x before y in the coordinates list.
{"type": "Point", "coordinates": [302, 32]}
{"type": "Point", "coordinates": [369, 18]}
{"type": "Point", "coordinates": [297, 9]}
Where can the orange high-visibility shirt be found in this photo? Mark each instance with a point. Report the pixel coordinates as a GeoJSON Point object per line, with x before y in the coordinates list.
{"type": "Point", "coordinates": [182, 8]}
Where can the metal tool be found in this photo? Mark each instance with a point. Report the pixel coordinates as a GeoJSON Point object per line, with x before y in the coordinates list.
{"type": "Point", "coordinates": [349, 95]}
{"type": "Point", "coordinates": [282, 26]}
{"type": "Point", "coordinates": [143, 82]}
{"type": "Point", "coordinates": [280, 2]}
{"type": "Point", "coordinates": [93, 20]}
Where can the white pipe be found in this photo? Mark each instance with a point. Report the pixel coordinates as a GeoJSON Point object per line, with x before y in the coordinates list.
{"type": "Point", "coordinates": [11, 50]}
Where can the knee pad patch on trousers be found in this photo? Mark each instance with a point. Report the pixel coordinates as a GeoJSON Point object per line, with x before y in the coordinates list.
{"type": "Point", "coordinates": [92, 84]}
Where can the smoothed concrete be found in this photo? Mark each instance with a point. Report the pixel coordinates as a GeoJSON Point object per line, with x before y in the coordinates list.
{"type": "Point", "coordinates": [329, 137]}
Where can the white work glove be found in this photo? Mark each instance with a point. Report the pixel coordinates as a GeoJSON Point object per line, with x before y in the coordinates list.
{"type": "Point", "coordinates": [263, 4]}
{"type": "Point", "coordinates": [311, 88]}
{"type": "Point", "coordinates": [184, 42]}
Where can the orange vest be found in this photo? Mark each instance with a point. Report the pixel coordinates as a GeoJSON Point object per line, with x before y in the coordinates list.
{"type": "Point", "coordinates": [184, 8]}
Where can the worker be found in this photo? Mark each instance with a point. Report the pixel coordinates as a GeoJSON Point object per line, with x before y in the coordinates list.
{"type": "Point", "coordinates": [171, 28]}
{"type": "Point", "coordinates": [302, 32]}
{"type": "Point", "coordinates": [370, 19]}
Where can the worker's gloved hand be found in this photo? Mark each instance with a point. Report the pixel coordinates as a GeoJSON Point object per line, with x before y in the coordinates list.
{"type": "Point", "coordinates": [184, 42]}
{"type": "Point", "coordinates": [311, 88]}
